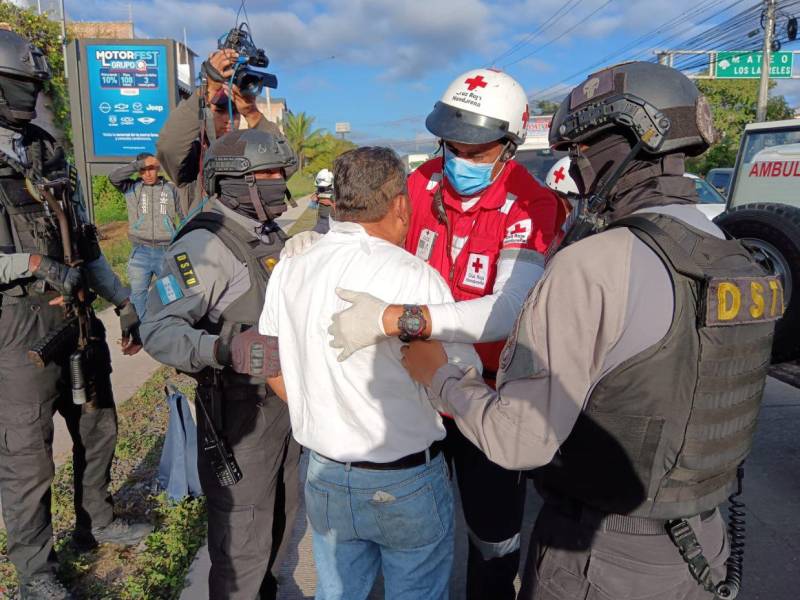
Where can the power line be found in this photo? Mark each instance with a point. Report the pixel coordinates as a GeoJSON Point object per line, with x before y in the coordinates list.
{"type": "Point", "coordinates": [558, 37]}
{"type": "Point", "coordinates": [564, 8]}
{"type": "Point", "coordinates": [674, 22]}
{"type": "Point", "coordinates": [721, 32]}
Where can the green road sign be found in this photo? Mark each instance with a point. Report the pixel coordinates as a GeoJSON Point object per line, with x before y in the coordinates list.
{"type": "Point", "coordinates": [747, 65]}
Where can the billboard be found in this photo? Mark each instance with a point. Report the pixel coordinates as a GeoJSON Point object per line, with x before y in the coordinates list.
{"type": "Point", "coordinates": [130, 95]}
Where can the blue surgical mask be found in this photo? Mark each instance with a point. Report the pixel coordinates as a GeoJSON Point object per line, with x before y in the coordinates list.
{"type": "Point", "coordinates": [467, 178]}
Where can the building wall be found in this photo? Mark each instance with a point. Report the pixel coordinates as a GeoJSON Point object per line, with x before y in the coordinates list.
{"type": "Point", "coordinates": [117, 30]}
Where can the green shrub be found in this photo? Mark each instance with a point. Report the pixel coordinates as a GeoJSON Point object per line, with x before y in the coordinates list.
{"type": "Point", "coordinates": [301, 184]}
{"type": "Point", "coordinates": [109, 203]}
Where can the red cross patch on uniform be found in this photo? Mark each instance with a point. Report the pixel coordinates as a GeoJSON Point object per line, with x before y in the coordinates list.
{"type": "Point", "coordinates": [519, 232]}
{"type": "Point", "coordinates": [477, 271]}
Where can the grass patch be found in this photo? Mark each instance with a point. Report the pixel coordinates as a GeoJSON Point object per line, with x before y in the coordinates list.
{"type": "Point", "coordinates": [301, 185]}
{"type": "Point", "coordinates": [117, 249]}
{"type": "Point", "coordinates": [158, 570]}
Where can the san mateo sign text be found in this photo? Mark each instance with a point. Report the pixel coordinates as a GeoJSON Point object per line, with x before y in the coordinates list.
{"type": "Point", "coordinates": [747, 65]}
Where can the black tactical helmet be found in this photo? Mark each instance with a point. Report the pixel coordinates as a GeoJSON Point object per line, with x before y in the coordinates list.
{"type": "Point", "coordinates": [244, 151]}
{"type": "Point", "coordinates": [658, 105]}
{"type": "Point", "coordinates": [23, 70]}
{"type": "Point", "coordinates": [20, 58]}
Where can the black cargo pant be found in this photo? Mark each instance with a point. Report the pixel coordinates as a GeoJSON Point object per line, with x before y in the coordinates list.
{"type": "Point", "coordinates": [29, 396]}
{"type": "Point", "coordinates": [574, 558]}
{"type": "Point", "coordinates": [493, 500]}
{"type": "Point", "coordinates": [249, 524]}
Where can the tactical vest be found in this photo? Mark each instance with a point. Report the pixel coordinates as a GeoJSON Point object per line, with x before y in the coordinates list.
{"type": "Point", "coordinates": [31, 226]}
{"type": "Point", "coordinates": [663, 432]}
{"type": "Point", "coordinates": [260, 258]}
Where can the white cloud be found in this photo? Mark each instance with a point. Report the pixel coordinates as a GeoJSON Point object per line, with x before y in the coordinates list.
{"type": "Point", "coordinates": [404, 40]}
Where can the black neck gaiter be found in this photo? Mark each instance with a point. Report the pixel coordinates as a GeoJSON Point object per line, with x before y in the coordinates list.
{"type": "Point", "coordinates": [235, 194]}
{"type": "Point", "coordinates": [644, 181]}
{"type": "Point", "coordinates": [20, 99]}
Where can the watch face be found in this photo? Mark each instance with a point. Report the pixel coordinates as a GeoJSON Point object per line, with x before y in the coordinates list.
{"type": "Point", "coordinates": [413, 324]}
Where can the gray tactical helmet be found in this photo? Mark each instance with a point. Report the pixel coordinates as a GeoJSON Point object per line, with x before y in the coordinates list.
{"type": "Point", "coordinates": [245, 151]}
{"type": "Point", "coordinates": [658, 105]}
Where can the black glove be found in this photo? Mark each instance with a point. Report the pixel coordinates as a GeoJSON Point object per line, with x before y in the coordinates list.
{"type": "Point", "coordinates": [129, 322]}
{"type": "Point", "coordinates": [67, 280]}
{"type": "Point", "coordinates": [246, 353]}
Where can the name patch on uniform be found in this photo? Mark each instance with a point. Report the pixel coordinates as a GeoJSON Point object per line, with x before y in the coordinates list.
{"type": "Point", "coordinates": [741, 300]}
{"type": "Point", "coordinates": [425, 245]}
{"type": "Point", "coordinates": [519, 232]}
{"type": "Point", "coordinates": [477, 272]}
{"type": "Point", "coordinates": [186, 270]}
{"type": "Point", "coordinates": [168, 289]}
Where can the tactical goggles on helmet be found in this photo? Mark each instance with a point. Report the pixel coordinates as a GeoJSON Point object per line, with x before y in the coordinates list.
{"type": "Point", "coordinates": [645, 121]}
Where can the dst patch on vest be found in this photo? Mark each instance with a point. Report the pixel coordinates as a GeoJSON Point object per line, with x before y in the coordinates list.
{"type": "Point", "coordinates": [186, 270]}
{"type": "Point", "coordinates": [168, 289]}
{"type": "Point", "coordinates": [739, 300]}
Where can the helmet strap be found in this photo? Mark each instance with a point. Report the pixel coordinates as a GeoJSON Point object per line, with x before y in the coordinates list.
{"type": "Point", "coordinates": [599, 200]}
{"type": "Point", "coordinates": [255, 198]}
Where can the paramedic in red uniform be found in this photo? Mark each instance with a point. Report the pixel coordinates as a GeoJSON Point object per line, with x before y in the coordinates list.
{"type": "Point", "coordinates": [484, 223]}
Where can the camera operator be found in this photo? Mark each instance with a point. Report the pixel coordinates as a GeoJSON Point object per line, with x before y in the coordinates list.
{"type": "Point", "coordinates": [201, 119]}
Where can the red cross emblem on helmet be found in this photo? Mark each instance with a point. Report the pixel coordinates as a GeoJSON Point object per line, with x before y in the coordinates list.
{"type": "Point", "coordinates": [475, 82]}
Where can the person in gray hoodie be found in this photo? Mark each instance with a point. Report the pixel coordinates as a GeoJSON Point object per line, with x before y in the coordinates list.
{"type": "Point", "coordinates": [153, 206]}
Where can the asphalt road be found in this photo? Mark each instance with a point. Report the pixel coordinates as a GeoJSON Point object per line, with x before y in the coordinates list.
{"type": "Point", "coordinates": [771, 493]}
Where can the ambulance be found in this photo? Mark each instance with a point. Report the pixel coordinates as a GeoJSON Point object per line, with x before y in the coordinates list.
{"type": "Point", "coordinates": [763, 211]}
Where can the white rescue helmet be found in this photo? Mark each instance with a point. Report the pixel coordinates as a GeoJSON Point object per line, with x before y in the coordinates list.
{"type": "Point", "coordinates": [324, 179]}
{"type": "Point", "coordinates": [480, 106]}
{"type": "Point", "coordinates": [559, 180]}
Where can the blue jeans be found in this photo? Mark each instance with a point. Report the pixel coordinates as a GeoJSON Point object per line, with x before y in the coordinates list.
{"type": "Point", "coordinates": [143, 265]}
{"type": "Point", "coordinates": [363, 520]}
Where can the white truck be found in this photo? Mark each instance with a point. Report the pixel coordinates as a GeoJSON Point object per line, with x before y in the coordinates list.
{"type": "Point", "coordinates": [763, 211]}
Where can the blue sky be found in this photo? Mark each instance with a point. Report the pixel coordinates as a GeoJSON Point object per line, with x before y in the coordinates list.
{"type": "Point", "coordinates": [392, 59]}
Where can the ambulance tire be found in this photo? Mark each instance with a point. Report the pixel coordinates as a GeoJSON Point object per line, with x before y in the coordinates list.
{"type": "Point", "coordinates": [773, 230]}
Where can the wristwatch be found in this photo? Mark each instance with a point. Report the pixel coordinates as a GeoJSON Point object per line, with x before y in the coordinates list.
{"type": "Point", "coordinates": [411, 323]}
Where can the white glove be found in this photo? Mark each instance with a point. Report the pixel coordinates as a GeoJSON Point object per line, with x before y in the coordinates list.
{"type": "Point", "coordinates": [359, 326]}
{"type": "Point", "coordinates": [299, 244]}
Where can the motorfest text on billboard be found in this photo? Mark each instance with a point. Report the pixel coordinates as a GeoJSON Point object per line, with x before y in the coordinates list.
{"type": "Point", "coordinates": [129, 94]}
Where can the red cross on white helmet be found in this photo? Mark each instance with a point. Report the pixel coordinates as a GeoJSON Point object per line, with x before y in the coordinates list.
{"type": "Point", "coordinates": [559, 180]}
{"type": "Point", "coordinates": [479, 106]}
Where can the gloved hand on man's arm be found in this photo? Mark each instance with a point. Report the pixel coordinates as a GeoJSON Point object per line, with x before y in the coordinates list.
{"type": "Point", "coordinates": [246, 354]}
{"type": "Point", "coordinates": [300, 243]}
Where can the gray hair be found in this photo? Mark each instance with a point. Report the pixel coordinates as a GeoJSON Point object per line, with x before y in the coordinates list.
{"type": "Point", "coordinates": [365, 182]}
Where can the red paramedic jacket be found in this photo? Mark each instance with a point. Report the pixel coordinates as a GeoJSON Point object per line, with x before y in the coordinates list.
{"type": "Point", "coordinates": [514, 212]}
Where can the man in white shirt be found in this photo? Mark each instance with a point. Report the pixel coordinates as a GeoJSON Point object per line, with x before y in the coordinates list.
{"type": "Point", "coordinates": [377, 490]}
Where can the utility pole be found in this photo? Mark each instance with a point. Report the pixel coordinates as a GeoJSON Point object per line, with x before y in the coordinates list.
{"type": "Point", "coordinates": [763, 91]}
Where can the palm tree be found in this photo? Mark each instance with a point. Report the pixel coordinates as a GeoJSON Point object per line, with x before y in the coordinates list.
{"type": "Point", "coordinates": [297, 128]}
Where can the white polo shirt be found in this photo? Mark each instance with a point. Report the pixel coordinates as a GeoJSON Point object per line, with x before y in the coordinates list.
{"type": "Point", "coordinates": [366, 408]}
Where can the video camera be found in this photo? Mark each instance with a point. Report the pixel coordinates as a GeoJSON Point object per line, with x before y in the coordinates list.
{"type": "Point", "coordinates": [251, 70]}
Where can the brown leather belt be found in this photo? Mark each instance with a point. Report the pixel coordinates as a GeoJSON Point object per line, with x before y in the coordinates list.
{"type": "Point", "coordinates": [406, 462]}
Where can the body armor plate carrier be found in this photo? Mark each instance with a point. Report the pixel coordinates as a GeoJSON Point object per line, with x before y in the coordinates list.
{"type": "Point", "coordinates": [663, 433]}
{"type": "Point", "coordinates": [260, 258]}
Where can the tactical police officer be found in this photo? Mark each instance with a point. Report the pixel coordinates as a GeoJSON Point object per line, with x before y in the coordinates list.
{"type": "Point", "coordinates": [637, 366]}
{"type": "Point", "coordinates": [44, 233]}
{"type": "Point", "coordinates": [201, 317]}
